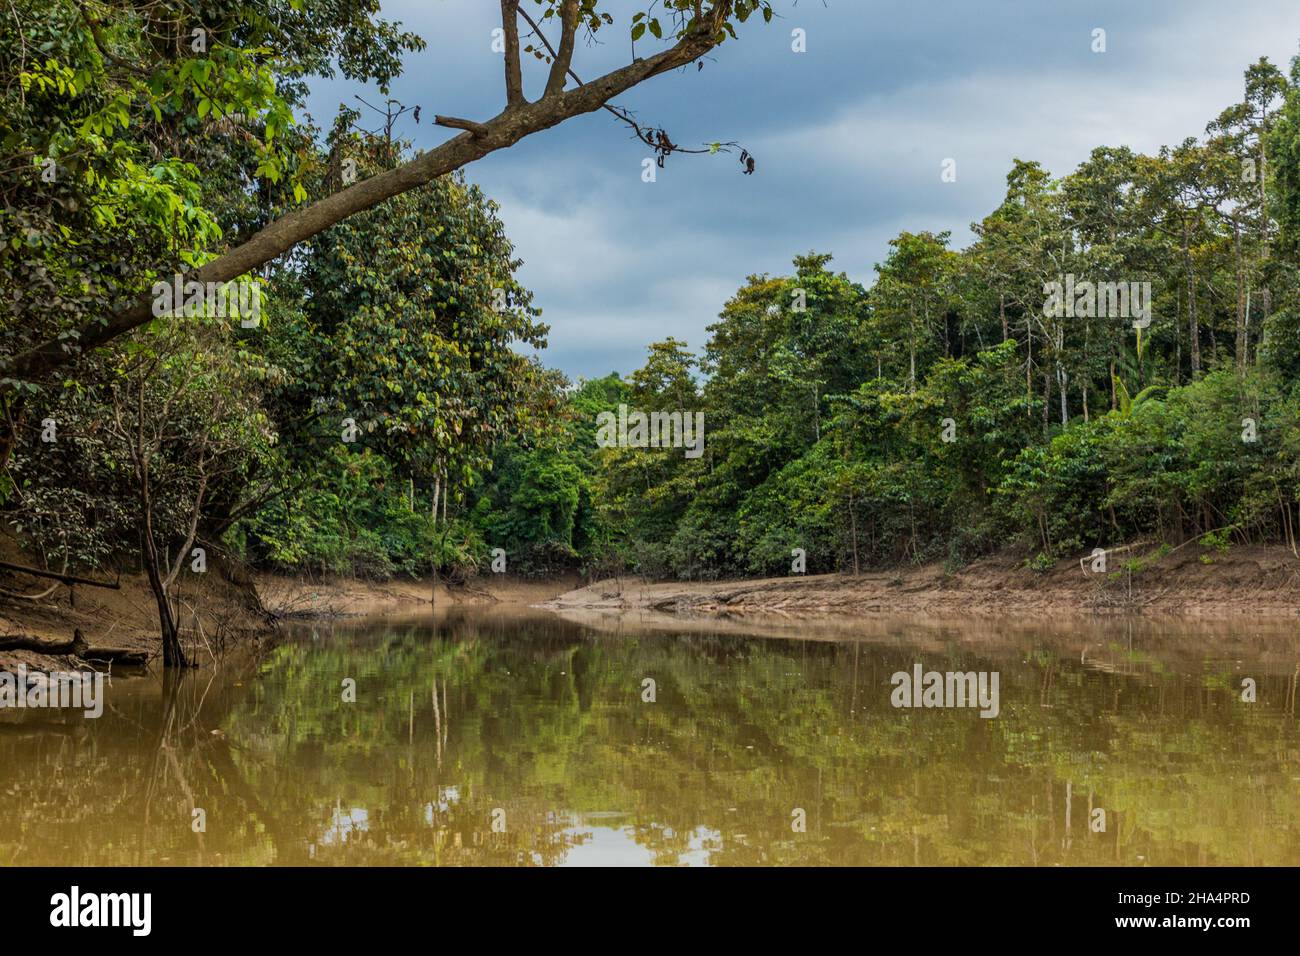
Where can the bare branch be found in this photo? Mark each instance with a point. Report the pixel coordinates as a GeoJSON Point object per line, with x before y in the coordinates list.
{"type": "Point", "coordinates": [656, 138]}
{"type": "Point", "coordinates": [568, 38]}
{"type": "Point", "coordinates": [62, 578]}
{"type": "Point", "coordinates": [455, 122]}
{"type": "Point", "coordinates": [514, 73]}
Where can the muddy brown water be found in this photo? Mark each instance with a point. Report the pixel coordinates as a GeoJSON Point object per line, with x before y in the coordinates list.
{"type": "Point", "coordinates": [480, 737]}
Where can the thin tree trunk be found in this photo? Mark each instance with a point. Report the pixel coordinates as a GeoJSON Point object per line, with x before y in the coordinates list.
{"type": "Point", "coordinates": [1029, 366]}
{"type": "Point", "coordinates": [1194, 332]}
{"type": "Point", "coordinates": [1178, 337]}
{"type": "Point", "coordinates": [911, 351]}
{"type": "Point", "coordinates": [173, 653]}
{"type": "Point", "coordinates": [1047, 398]}
{"type": "Point", "coordinates": [1062, 381]}
{"type": "Point", "coordinates": [1242, 340]}
{"type": "Point", "coordinates": [853, 520]}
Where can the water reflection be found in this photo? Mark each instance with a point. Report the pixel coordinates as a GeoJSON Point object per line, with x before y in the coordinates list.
{"type": "Point", "coordinates": [527, 740]}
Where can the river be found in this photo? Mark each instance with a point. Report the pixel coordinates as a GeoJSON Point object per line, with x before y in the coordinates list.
{"type": "Point", "coordinates": [482, 737]}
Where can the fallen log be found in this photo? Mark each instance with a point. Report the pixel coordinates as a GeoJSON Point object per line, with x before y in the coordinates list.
{"type": "Point", "coordinates": [77, 647]}
{"type": "Point", "coordinates": [65, 578]}
{"type": "Point", "coordinates": [25, 642]}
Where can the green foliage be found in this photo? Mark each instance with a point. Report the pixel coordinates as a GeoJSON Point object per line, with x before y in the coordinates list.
{"type": "Point", "coordinates": [946, 412]}
{"type": "Point", "coordinates": [943, 413]}
{"type": "Point", "coordinates": [351, 516]}
{"type": "Point", "coordinates": [133, 142]}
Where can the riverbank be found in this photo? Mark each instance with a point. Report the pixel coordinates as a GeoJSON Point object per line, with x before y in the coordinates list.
{"type": "Point", "coordinates": [289, 598]}
{"type": "Point", "coordinates": [219, 611]}
{"type": "Point", "coordinates": [226, 607]}
{"type": "Point", "coordinates": [1190, 581]}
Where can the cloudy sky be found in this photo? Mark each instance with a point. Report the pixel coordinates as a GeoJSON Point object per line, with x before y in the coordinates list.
{"type": "Point", "coordinates": [850, 137]}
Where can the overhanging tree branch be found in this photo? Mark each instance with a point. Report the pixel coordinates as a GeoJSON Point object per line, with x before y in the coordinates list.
{"type": "Point", "coordinates": [504, 130]}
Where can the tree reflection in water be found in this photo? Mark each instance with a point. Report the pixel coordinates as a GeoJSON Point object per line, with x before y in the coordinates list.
{"type": "Point", "coordinates": [518, 740]}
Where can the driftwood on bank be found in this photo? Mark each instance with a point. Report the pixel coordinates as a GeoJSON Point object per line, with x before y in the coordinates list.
{"type": "Point", "coordinates": [65, 578]}
{"type": "Point", "coordinates": [77, 647]}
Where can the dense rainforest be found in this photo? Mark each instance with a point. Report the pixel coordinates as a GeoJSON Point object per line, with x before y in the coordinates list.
{"type": "Point", "coordinates": [949, 410]}
{"type": "Point", "coordinates": [370, 409]}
